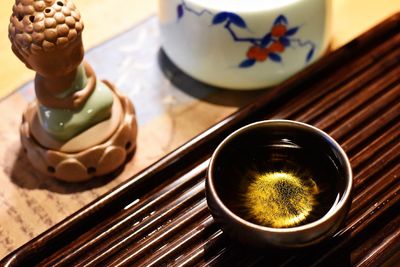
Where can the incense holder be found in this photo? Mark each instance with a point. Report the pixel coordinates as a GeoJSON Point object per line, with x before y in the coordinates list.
{"type": "Point", "coordinates": [279, 183]}
{"type": "Point", "coordinates": [78, 127]}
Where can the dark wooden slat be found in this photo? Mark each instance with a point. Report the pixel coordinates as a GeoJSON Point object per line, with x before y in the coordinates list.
{"type": "Point", "coordinates": [360, 100]}
{"type": "Point", "coordinates": [127, 218]}
{"type": "Point", "coordinates": [117, 243]}
{"type": "Point", "coordinates": [373, 79]}
{"type": "Point", "coordinates": [389, 200]}
{"type": "Point", "coordinates": [390, 117]}
{"type": "Point", "coordinates": [380, 186]}
{"type": "Point", "coordinates": [368, 211]}
{"type": "Point", "coordinates": [379, 246]}
{"type": "Point", "coordinates": [380, 124]}
{"type": "Point", "coordinates": [217, 258]}
{"type": "Point", "coordinates": [381, 163]}
{"type": "Point", "coordinates": [357, 119]}
{"type": "Point", "coordinates": [199, 251]}
{"type": "Point", "coordinates": [336, 78]}
{"type": "Point", "coordinates": [364, 155]}
{"type": "Point", "coordinates": [177, 245]}
{"type": "Point", "coordinates": [382, 253]}
{"type": "Point", "coordinates": [139, 250]}
{"type": "Point", "coordinates": [362, 118]}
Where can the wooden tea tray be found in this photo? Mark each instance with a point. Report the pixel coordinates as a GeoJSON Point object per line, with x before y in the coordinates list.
{"type": "Point", "coordinates": [160, 216]}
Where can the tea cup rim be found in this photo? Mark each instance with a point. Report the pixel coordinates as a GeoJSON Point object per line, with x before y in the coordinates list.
{"type": "Point", "coordinates": [339, 206]}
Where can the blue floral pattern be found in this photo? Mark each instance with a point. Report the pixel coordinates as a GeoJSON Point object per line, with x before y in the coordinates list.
{"type": "Point", "coordinates": [268, 47]}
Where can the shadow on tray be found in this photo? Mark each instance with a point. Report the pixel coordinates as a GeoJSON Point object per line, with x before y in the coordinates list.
{"type": "Point", "coordinates": [196, 89]}
{"type": "Point", "coordinates": [317, 255]}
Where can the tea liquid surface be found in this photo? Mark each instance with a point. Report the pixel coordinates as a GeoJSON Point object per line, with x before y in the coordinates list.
{"type": "Point", "coordinates": [280, 184]}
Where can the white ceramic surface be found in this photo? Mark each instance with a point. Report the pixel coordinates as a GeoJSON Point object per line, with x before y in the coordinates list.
{"type": "Point", "coordinates": [220, 42]}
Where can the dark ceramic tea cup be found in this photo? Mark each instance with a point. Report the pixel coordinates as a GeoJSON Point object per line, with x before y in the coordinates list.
{"type": "Point", "coordinates": [279, 183]}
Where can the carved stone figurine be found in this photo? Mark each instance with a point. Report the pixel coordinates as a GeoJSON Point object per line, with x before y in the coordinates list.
{"type": "Point", "coordinates": [79, 127]}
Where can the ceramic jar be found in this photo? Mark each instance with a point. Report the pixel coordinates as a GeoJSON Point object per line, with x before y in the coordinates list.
{"type": "Point", "coordinates": [244, 44]}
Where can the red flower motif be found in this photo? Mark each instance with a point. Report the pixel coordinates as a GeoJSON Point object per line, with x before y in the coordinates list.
{"type": "Point", "coordinates": [277, 47]}
{"type": "Point", "coordinates": [257, 53]}
{"type": "Point", "coordinates": [278, 30]}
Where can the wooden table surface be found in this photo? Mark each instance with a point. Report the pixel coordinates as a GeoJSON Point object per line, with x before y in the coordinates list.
{"type": "Point", "coordinates": [26, 202]}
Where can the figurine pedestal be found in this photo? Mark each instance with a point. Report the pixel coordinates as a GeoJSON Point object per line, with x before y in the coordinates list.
{"type": "Point", "coordinates": [97, 151]}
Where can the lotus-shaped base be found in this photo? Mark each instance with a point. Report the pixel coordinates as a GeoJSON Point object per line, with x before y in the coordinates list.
{"type": "Point", "coordinates": [97, 151]}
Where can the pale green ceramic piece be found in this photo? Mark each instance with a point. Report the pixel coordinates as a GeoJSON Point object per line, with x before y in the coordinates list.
{"type": "Point", "coordinates": [79, 82]}
{"type": "Point", "coordinates": [63, 124]}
